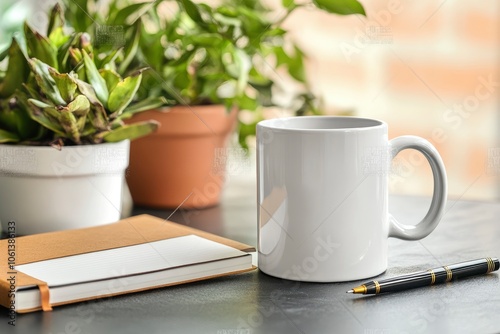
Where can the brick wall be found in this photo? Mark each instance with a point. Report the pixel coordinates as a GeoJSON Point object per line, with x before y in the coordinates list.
{"type": "Point", "coordinates": [428, 68]}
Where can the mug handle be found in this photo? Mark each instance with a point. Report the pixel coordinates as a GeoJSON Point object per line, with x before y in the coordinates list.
{"type": "Point", "coordinates": [436, 210]}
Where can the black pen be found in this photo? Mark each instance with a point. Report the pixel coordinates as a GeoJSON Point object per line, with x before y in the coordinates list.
{"type": "Point", "coordinates": [429, 277]}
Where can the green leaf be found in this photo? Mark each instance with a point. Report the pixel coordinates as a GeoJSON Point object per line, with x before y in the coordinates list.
{"type": "Point", "coordinates": [24, 126]}
{"type": "Point", "coordinates": [8, 116]}
{"type": "Point", "coordinates": [132, 131]}
{"type": "Point", "coordinates": [88, 91]}
{"type": "Point", "coordinates": [80, 124]}
{"type": "Point", "coordinates": [244, 64]}
{"type": "Point", "coordinates": [58, 38]}
{"type": "Point", "coordinates": [56, 19]}
{"type": "Point", "coordinates": [146, 104]}
{"type": "Point", "coordinates": [182, 60]}
{"type": "Point", "coordinates": [63, 53]}
{"type": "Point", "coordinates": [296, 66]}
{"type": "Point", "coordinates": [3, 54]}
{"type": "Point", "coordinates": [207, 13]}
{"type": "Point", "coordinates": [17, 71]}
{"type": "Point", "coordinates": [131, 47]}
{"type": "Point", "coordinates": [253, 24]}
{"type": "Point", "coordinates": [52, 112]}
{"type": "Point", "coordinates": [8, 137]}
{"type": "Point", "coordinates": [32, 89]}
{"type": "Point", "coordinates": [123, 93]}
{"type": "Point", "coordinates": [89, 130]}
{"type": "Point", "coordinates": [341, 7]}
{"type": "Point", "coordinates": [256, 78]}
{"type": "Point", "coordinates": [184, 82]}
{"type": "Point", "coordinates": [68, 122]}
{"type": "Point", "coordinates": [98, 116]}
{"type": "Point", "coordinates": [46, 82]}
{"type": "Point", "coordinates": [65, 84]}
{"type": "Point", "coordinates": [40, 47]}
{"type": "Point", "coordinates": [111, 77]}
{"type": "Point", "coordinates": [95, 79]}
{"type": "Point", "coordinates": [153, 14]}
{"type": "Point", "coordinates": [77, 12]}
{"type": "Point", "coordinates": [38, 116]}
{"type": "Point", "coordinates": [227, 11]}
{"type": "Point", "coordinates": [206, 39]}
{"type": "Point", "coordinates": [76, 55]}
{"type": "Point", "coordinates": [79, 106]}
{"type": "Point", "coordinates": [247, 103]}
{"type": "Point", "coordinates": [265, 94]}
{"type": "Point", "coordinates": [152, 50]}
{"type": "Point", "coordinates": [129, 13]}
{"type": "Point", "coordinates": [192, 10]}
{"type": "Point", "coordinates": [39, 104]}
{"type": "Point", "coordinates": [273, 32]}
{"type": "Point", "coordinates": [288, 3]}
{"type": "Point", "coordinates": [227, 20]}
{"type": "Point", "coordinates": [108, 59]}
{"type": "Point", "coordinates": [228, 61]}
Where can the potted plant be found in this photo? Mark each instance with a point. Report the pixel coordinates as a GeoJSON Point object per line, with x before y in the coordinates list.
{"type": "Point", "coordinates": [209, 62]}
{"type": "Point", "coordinates": [64, 146]}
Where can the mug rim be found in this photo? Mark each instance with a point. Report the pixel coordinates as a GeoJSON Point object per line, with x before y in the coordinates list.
{"type": "Point", "coordinates": [269, 124]}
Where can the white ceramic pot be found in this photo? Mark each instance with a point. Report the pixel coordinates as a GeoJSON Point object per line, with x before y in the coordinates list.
{"type": "Point", "coordinates": [43, 189]}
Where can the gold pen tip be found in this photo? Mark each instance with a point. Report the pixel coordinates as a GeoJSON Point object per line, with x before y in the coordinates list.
{"type": "Point", "coordinates": [350, 291]}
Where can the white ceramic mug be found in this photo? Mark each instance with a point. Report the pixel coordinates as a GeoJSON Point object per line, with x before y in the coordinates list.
{"type": "Point", "coordinates": [322, 197]}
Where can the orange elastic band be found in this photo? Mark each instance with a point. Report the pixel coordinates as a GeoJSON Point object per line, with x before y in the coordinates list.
{"type": "Point", "coordinates": [45, 297]}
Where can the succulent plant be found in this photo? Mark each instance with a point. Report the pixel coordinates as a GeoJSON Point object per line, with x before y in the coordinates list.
{"type": "Point", "coordinates": [57, 90]}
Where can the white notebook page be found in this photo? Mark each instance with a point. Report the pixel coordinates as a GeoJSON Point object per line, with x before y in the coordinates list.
{"type": "Point", "coordinates": [124, 261]}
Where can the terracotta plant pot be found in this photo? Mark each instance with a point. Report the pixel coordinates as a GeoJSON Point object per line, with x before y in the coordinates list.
{"type": "Point", "coordinates": [178, 165]}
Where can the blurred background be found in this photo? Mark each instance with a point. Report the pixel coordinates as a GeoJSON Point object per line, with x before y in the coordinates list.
{"type": "Point", "coordinates": [427, 68]}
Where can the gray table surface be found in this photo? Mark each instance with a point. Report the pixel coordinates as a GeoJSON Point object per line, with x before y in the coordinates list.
{"type": "Point", "coordinates": [256, 303]}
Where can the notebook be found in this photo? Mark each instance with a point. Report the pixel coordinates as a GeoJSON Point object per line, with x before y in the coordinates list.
{"type": "Point", "coordinates": [134, 254]}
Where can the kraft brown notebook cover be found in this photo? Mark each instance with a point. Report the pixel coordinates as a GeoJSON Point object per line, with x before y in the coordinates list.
{"type": "Point", "coordinates": [127, 232]}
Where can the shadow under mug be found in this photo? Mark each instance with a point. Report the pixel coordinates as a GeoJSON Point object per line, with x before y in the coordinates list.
{"type": "Point", "coordinates": [323, 197]}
